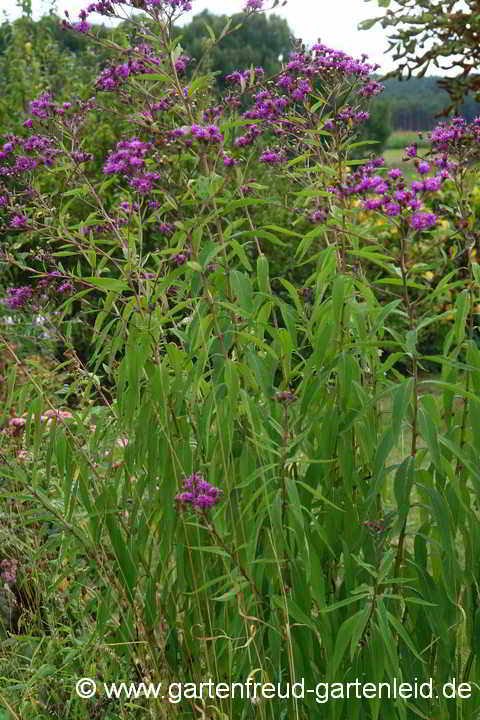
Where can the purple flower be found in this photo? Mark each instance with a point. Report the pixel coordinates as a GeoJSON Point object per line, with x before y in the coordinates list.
{"type": "Point", "coordinates": [423, 221]}
{"type": "Point", "coordinates": [318, 216]}
{"type": "Point", "coordinates": [418, 186]}
{"type": "Point", "coordinates": [165, 228]}
{"type": "Point", "coordinates": [411, 150]}
{"type": "Point", "coordinates": [381, 187]}
{"type": "Point", "coordinates": [179, 258]}
{"type": "Point", "coordinates": [371, 88]}
{"type": "Point", "coordinates": [82, 27]}
{"type": "Point", "coordinates": [9, 570]}
{"type": "Point", "coordinates": [395, 173]}
{"type": "Point", "coordinates": [392, 209]}
{"type": "Point", "coordinates": [401, 196]}
{"type": "Point", "coordinates": [19, 222]}
{"type": "Point", "coordinates": [433, 183]}
{"type": "Point", "coordinates": [373, 203]}
{"type": "Point", "coordinates": [181, 65]}
{"type": "Point", "coordinates": [253, 5]}
{"type": "Point", "coordinates": [270, 157]}
{"type": "Point", "coordinates": [17, 297]}
{"type": "Point", "coordinates": [423, 168]}
{"type": "Point", "coordinates": [415, 204]}
{"type": "Point", "coordinates": [198, 493]}
{"type": "Point", "coordinates": [81, 157]}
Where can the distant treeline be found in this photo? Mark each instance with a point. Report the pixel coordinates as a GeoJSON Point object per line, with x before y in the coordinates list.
{"type": "Point", "coordinates": [414, 103]}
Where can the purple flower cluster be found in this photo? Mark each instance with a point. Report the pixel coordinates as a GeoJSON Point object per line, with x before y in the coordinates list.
{"type": "Point", "coordinates": [164, 228]}
{"type": "Point", "coordinates": [181, 65]}
{"type": "Point", "coordinates": [17, 297]}
{"type": "Point", "coordinates": [181, 257]}
{"type": "Point", "coordinates": [213, 113]}
{"type": "Point", "coordinates": [198, 493]}
{"type": "Point", "coordinates": [111, 78]}
{"type": "Point", "coordinates": [339, 62]}
{"type": "Point", "coordinates": [371, 88]}
{"type": "Point", "coordinates": [15, 163]}
{"type": "Point", "coordinates": [391, 195]}
{"type": "Point", "coordinates": [81, 157]}
{"type": "Point", "coordinates": [451, 137]}
{"type": "Point", "coordinates": [423, 221]}
{"type": "Point", "coordinates": [9, 570]}
{"type": "Point", "coordinates": [43, 106]}
{"type": "Point", "coordinates": [270, 157]}
{"type": "Point", "coordinates": [296, 82]}
{"type": "Point", "coordinates": [208, 134]}
{"type": "Point", "coordinates": [253, 131]}
{"type": "Point", "coordinates": [19, 222]}
{"type": "Point", "coordinates": [267, 107]}
{"type": "Point", "coordinates": [128, 159]}
{"type": "Point", "coordinates": [241, 77]}
{"type": "Point", "coordinates": [109, 8]}
{"type": "Point", "coordinates": [318, 216]}
{"type": "Point", "coordinates": [346, 118]}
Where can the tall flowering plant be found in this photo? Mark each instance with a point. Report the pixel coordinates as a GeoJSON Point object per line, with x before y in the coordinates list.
{"type": "Point", "coordinates": [265, 494]}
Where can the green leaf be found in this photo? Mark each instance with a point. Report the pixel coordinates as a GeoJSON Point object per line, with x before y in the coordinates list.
{"type": "Point", "coordinates": [462, 307]}
{"type": "Point", "coordinates": [263, 277]}
{"type": "Point", "coordinates": [402, 486]}
{"type": "Point", "coordinates": [411, 342]}
{"type": "Point", "coordinates": [344, 603]}
{"type": "Point", "coordinates": [401, 400]}
{"type": "Point", "coordinates": [297, 613]}
{"type": "Point", "coordinates": [367, 24]}
{"type": "Point", "coordinates": [233, 592]}
{"type": "Point", "coordinates": [107, 283]}
{"type": "Point", "coordinates": [125, 563]}
{"type": "Point", "coordinates": [476, 272]}
{"type": "Point", "coordinates": [400, 630]}
{"type": "Point", "coordinates": [348, 629]}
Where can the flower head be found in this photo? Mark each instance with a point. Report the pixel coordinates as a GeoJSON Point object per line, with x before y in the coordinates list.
{"type": "Point", "coordinates": [198, 493]}
{"type": "Point", "coordinates": [423, 221]}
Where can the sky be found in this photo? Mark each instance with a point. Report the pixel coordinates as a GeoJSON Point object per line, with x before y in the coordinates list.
{"type": "Point", "coordinates": [308, 20]}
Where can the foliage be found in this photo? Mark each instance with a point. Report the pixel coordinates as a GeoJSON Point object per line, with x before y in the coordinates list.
{"type": "Point", "coordinates": [438, 32]}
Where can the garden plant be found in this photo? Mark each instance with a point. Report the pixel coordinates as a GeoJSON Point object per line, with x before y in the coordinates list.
{"type": "Point", "coordinates": [248, 476]}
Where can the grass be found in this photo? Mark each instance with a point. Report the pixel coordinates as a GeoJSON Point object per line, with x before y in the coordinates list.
{"type": "Point", "coordinates": [393, 159]}
{"type": "Point", "coordinates": [399, 139]}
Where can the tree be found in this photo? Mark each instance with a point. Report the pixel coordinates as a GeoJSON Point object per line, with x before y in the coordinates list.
{"type": "Point", "coordinates": [259, 41]}
{"type": "Point", "coordinates": [438, 32]}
